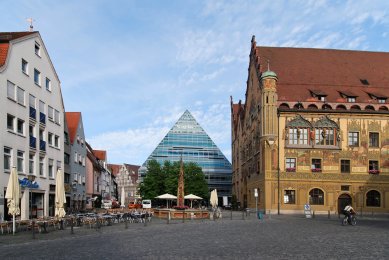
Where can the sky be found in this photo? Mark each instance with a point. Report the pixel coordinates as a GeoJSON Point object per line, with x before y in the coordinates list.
{"type": "Point", "coordinates": [133, 67]}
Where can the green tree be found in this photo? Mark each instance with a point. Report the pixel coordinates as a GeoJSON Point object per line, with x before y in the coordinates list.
{"type": "Point", "coordinates": [164, 179]}
{"type": "Point", "coordinates": [153, 182]}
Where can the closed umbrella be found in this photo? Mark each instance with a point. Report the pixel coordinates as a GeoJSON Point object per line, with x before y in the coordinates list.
{"type": "Point", "coordinates": [213, 199]}
{"type": "Point", "coordinates": [13, 196]}
{"type": "Point", "coordinates": [60, 198]}
{"type": "Point", "coordinates": [123, 198]}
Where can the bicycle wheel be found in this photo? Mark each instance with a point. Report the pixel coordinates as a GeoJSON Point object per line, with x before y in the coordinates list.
{"type": "Point", "coordinates": [353, 221]}
{"type": "Point", "coordinates": [344, 221]}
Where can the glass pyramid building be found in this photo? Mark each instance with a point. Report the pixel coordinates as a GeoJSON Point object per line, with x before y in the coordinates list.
{"type": "Point", "coordinates": [189, 140]}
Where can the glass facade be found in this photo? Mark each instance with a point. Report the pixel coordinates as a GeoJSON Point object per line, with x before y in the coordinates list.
{"type": "Point", "coordinates": [188, 139]}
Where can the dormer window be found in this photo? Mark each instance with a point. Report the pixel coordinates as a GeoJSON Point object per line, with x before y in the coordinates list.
{"type": "Point", "coordinates": [365, 82]}
{"type": "Point", "coordinates": [351, 99]}
{"type": "Point", "coordinates": [381, 100]}
{"type": "Point", "coordinates": [320, 95]}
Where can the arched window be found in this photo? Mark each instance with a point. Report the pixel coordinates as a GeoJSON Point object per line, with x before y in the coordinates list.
{"type": "Point", "coordinates": [298, 106]}
{"type": "Point", "coordinates": [326, 131]}
{"type": "Point", "coordinates": [341, 107]}
{"type": "Point", "coordinates": [355, 107]}
{"type": "Point", "coordinates": [383, 108]}
{"type": "Point", "coordinates": [312, 107]}
{"type": "Point", "coordinates": [298, 131]}
{"type": "Point", "coordinates": [373, 199]}
{"type": "Point", "coordinates": [326, 107]}
{"type": "Point", "coordinates": [284, 106]}
{"type": "Point", "coordinates": [316, 197]}
{"type": "Point", "coordinates": [369, 108]}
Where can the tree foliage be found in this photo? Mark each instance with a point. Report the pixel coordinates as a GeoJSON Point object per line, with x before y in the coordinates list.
{"type": "Point", "coordinates": [164, 179]}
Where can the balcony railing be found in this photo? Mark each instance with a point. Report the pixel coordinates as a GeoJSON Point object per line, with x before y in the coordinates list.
{"type": "Point", "coordinates": [374, 171]}
{"type": "Point", "coordinates": [316, 169]}
{"type": "Point", "coordinates": [32, 142]}
{"type": "Point", "coordinates": [291, 169]}
{"type": "Point", "coordinates": [32, 113]}
{"type": "Point", "coordinates": [42, 145]}
{"type": "Point", "coordinates": [42, 118]}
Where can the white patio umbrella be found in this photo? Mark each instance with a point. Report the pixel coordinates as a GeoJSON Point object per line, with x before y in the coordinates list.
{"type": "Point", "coordinates": [13, 196]}
{"type": "Point", "coordinates": [192, 197]}
{"type": "Point", "coordinates": [213, 199]}
{"type": "Point", "coordinates": [60, 198]}
{"type": "Point", "coordinates": [166, 197]}
{"type": "Point", "coordinates": [123, 198]}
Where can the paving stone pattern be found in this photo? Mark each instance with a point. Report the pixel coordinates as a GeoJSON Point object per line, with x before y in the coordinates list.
{"type": "Point", "coordinates": [277, 237]}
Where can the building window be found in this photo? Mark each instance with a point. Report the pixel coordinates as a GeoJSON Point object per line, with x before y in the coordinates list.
{"type": "Point", "coordinates": [289, 197]}
{"type": "Point", "coordinates": [66, 137]}
{"type": "Point", "coordinates": [11, 90]}
{"type": "Point", "coordinates": [31, 101]}
{"type": "Point", "coordinates": [290, 164]}
{"type": "Point", "coordinates": [24, 67]}
{"type": "Point", "coordinates": [67, 158]}
{"type": "Point", "coordinates": [381, 100]}
{"type": "Point", "coordinates": [10, 122]}
{"type": "Point", "coordinates": [298, 136]}
{"type": "Point", "coordinates": [37, 49]}
{"type": "Point", "coordinates": [353, 138]}
{"type": "Point", "coordinates": [75, 157]}
{"type": "Point", "coordinates": [37, 77]}
{"type": "Point", "coordinates": [316, 197]}
{"type": "Point", "coordinates": [373, 199]}
{"type": "Point", "coordinates": [51, 168]}
{"type": "Point", "coordinates": [56, 141]}
{"type": "Point", "coordinates": [48, 84]}
{"type": "Point", "coordinates": [20, 126]}
{"type": "Point", "coordinates": [42, 166]}
{"type": "Point", "coordinates": [31, 163]}
{"type": "Point", "coordinates": [59, 165]}
{"type": "Point", "coordinates": [41, 106]}
{"type": "Point", "coordinates": [345, 166]}
{"type": "Point", "coordinates": [20, 163]}
{"type": "Point", "coordinates": [56, 116]}
{"type": "Point", "coordinates": [316, 165]}
{"type": "Point", "coordinates": [374, 167]}
{"type": "Point", "coordinates": [50, 139]}
{"type": "Point", "coordinates": [373, 139]}
{"type": "Point", "coordinates": [351, 99]}
{"type": "Point", "coordinates": [7, 159]}
{"type": "Point", "coordinates": [20, 96]}
{"type": "Point", "coordinates": [51, 113]}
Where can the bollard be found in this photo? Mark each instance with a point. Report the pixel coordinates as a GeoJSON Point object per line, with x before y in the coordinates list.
{"type": "Point", "coordinates": [329, 215]}
{"type": "Point", "coordinates": [71, 226]}
{"type": "Point", "coordinates": [269, 214]}
{"type": "Point", "coordinates": [313, 214]}
{"type": "Point", "coordinates": [33, 229]}
{"type": "Point", "coordinates": [183, 216]}
{"type": "Point", "coordinates": [168, 217]}
{"type": "Point", "coordinates": [231, 213]}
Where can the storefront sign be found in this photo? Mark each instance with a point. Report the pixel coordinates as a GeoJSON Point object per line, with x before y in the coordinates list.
{"type": "Point", "coordinates": [26, 183]}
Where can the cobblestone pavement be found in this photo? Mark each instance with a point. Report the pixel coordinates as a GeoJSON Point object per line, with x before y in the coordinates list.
{"type": "Point", "coordinates": [278, 237]}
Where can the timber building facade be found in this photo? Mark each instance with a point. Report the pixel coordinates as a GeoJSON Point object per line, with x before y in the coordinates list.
{"type": "Point", "coordinates": [314, 129]}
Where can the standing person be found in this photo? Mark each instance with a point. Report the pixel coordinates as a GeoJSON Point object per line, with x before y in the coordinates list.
{"type": "Point", "coordinates": [348, 211]}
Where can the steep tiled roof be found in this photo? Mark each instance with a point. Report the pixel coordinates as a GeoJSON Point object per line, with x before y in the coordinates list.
{"type": "Point", "coordinates": [5, 38]}
{"type": "Point", "coordinates": [301, 70]}
{"type": "Point", "coordinates": [115, 168]}
{"type": "Point", "coordinates": [72, 119]}
{"type": "Point", "coordinates": [100, 154]}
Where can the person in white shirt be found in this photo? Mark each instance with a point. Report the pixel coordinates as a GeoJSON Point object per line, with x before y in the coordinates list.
{"type": "Point", "coordinates": [348, 211]}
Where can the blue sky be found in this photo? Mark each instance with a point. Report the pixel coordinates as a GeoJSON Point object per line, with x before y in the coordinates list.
{"type": "Point", "coordinates": [133, 67]}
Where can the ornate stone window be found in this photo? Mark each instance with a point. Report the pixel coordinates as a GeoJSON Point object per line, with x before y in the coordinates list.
{"type": "Point", "coordinates": [298, 131]}
{"type": "Point", "coordinates": [326, 132]}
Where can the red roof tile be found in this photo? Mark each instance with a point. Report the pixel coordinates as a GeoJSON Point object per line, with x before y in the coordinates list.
{"type": "Point", "coordinates": [72, 119]}
{"type": "Point", "coordinates": [100, 154]}
{"type": "Point", "coordinates": [300, 70]}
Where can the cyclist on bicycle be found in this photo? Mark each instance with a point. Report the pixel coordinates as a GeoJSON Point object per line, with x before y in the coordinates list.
{"type": "Point", "coordinates": [348, 211]}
